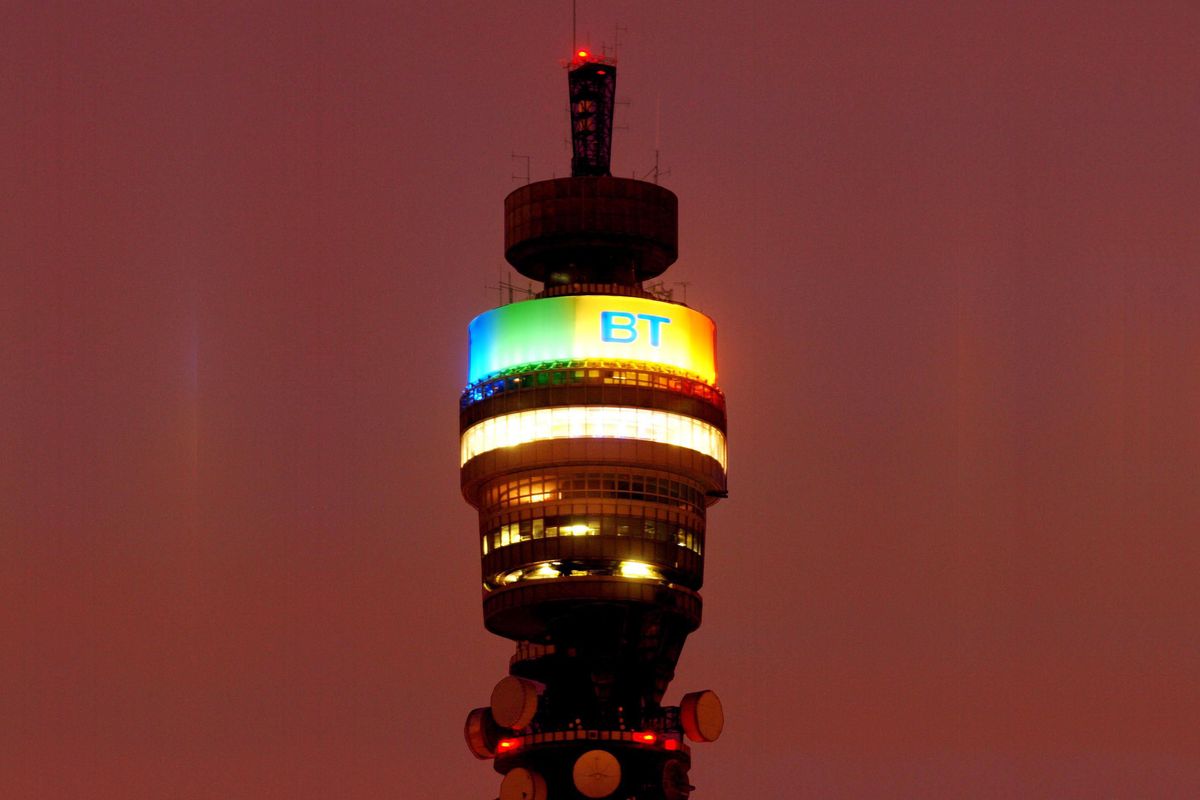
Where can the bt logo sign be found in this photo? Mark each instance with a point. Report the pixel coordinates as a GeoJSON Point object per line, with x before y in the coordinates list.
{"type": "Point", "coordinates": [622, 327]}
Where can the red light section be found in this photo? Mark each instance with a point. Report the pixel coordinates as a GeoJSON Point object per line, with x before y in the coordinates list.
{"type": "Point", "coordinates": [508, 745]}
{"type": "Point", "coordinates": [646, 738]}
{"type": "Point", "coordinates": [670, 744]}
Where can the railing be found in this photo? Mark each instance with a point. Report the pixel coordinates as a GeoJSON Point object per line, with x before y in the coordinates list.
{"type": "Point", "coordinates": [566, 373]}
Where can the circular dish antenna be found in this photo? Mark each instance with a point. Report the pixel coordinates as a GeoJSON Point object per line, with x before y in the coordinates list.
{"type": "Point", "coordinates": [597, 774]}
{"type": "Point", "coordinates": [514, 702]}
{"type": "Point", "coordinates": [702, 716]}
{"type": "Point", "coordinates": [522, 784]}
{"type": "Point", "coordinates": [675, 780]}
{"type": "Point", "coordinates": [481, 733]}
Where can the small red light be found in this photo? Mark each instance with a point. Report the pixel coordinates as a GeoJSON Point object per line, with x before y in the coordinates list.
{"type": "Point", "coordinates": [582, 54]}
{"type": "Point", "coordinates": [671, 744]}
{"type": "Point", "coordinates": [508, 744]}
{"type": "Point", "coordinates": [646, 738]}
{"type": "Point", "coordinates": [599, 72]}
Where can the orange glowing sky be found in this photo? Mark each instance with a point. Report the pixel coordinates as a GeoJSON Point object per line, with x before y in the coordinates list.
{"type": "Point", "coordinates": [951, 251]}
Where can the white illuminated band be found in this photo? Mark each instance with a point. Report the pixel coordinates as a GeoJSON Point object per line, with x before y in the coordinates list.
{"type": "Point", "coordinates": [593, 422]}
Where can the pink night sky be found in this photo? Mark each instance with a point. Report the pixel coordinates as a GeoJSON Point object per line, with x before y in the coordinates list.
{"type": "Point", "coordinates": [953, 252]}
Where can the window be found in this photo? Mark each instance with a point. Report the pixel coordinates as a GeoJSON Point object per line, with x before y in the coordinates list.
{"type": "Point", "coordinates": [536, 488]}
{"type": "Point", "coordinates": [554, 527]}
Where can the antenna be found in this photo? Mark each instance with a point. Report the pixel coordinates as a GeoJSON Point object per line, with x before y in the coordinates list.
{"type": "Point", "coordinates": [527, 160]}
{"type": "Point", "coordinates": [574, 45]}
{"type": "Point", "coordinates": [657, 120]}
{"type": "Point", "coordinates": [657, 131]}
{"type": "Point", "coordinates": [503, 283]}
{"type": "Point", "coordinates": [654, 172]}
{"type": "Point", "coordinates": [617, 40]}
{"type": "Point", "coordinates": [627, 104]}
{"type": "Point", "coordinates": [684, 284]}
{"type": "Point", "coordinates": [660, 290]}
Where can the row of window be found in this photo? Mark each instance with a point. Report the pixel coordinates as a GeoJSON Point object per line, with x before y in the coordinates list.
{"type": "Point", "coordinates": [565, 373]}
{"type": "Point", "coordinates": [608, 485]}
{"type": "Point", "coordinates": [593, 422]}
{"type": "Point", "coordinates": [491, 520]}
{"type": "Point", "coordinates": [639, 570]}
{"type": "Point", "coordinates": [554, 527]}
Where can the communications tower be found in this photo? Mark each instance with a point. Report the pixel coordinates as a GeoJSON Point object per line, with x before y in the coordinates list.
{"type": "Point", "coordinates": [593, 443]}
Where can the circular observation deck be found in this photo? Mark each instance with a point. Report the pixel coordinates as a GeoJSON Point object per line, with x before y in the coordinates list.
{"type": "Point", "coordinates": [591, 230]}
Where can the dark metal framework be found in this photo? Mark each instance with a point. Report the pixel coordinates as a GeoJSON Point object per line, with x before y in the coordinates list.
{"type": "Point", "coordinates": [593, 87]}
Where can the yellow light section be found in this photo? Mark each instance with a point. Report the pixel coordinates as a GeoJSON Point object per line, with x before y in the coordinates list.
{"type": "Point", "coordinates": [638, 569]}
{"type": "Point", "coordinates": [593, 422]}
{"type": "Point", "coordinates": [683, 337]}
{"type": "Point", "coordinates": [574, 530]}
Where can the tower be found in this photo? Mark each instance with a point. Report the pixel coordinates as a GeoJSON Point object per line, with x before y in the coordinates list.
{"type": "Point", "coordinates": [592, 444]}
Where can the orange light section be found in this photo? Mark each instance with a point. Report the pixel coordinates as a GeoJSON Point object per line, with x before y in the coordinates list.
{"type": "Point", "coordinates": [646, 738]}
{"type": "Point", "coordinates": [508, 745]}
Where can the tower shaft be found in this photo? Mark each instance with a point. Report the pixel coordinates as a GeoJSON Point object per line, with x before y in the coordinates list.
{"type": "Point", "coordinates": [592, 445]}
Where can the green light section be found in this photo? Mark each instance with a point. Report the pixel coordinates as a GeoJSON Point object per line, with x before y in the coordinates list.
{"type": "Point", "coordinates": [520, 333]}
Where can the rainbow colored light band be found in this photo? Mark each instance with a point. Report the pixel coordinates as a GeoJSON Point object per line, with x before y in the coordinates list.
{"type": "Point", "coordinates": [600, 327]}
{"type": "Point", "coordinates": [593, 422]}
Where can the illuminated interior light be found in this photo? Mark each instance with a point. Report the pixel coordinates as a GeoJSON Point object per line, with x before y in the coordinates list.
{"type": "Point", "coordinates": [508, 745]}
{"type": "Point", "coordinates": [638, 569]}
{"type": "Point", "coordinates": [555, 569]}
{"type": "Point", "coordinates": [646, 738]}
{"type": "Point", "coordinates": [540, 493]}
{"type": "Point", "coordinates": [574, 530]}
{"type": "Point", "coordinates": [593, 422]}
